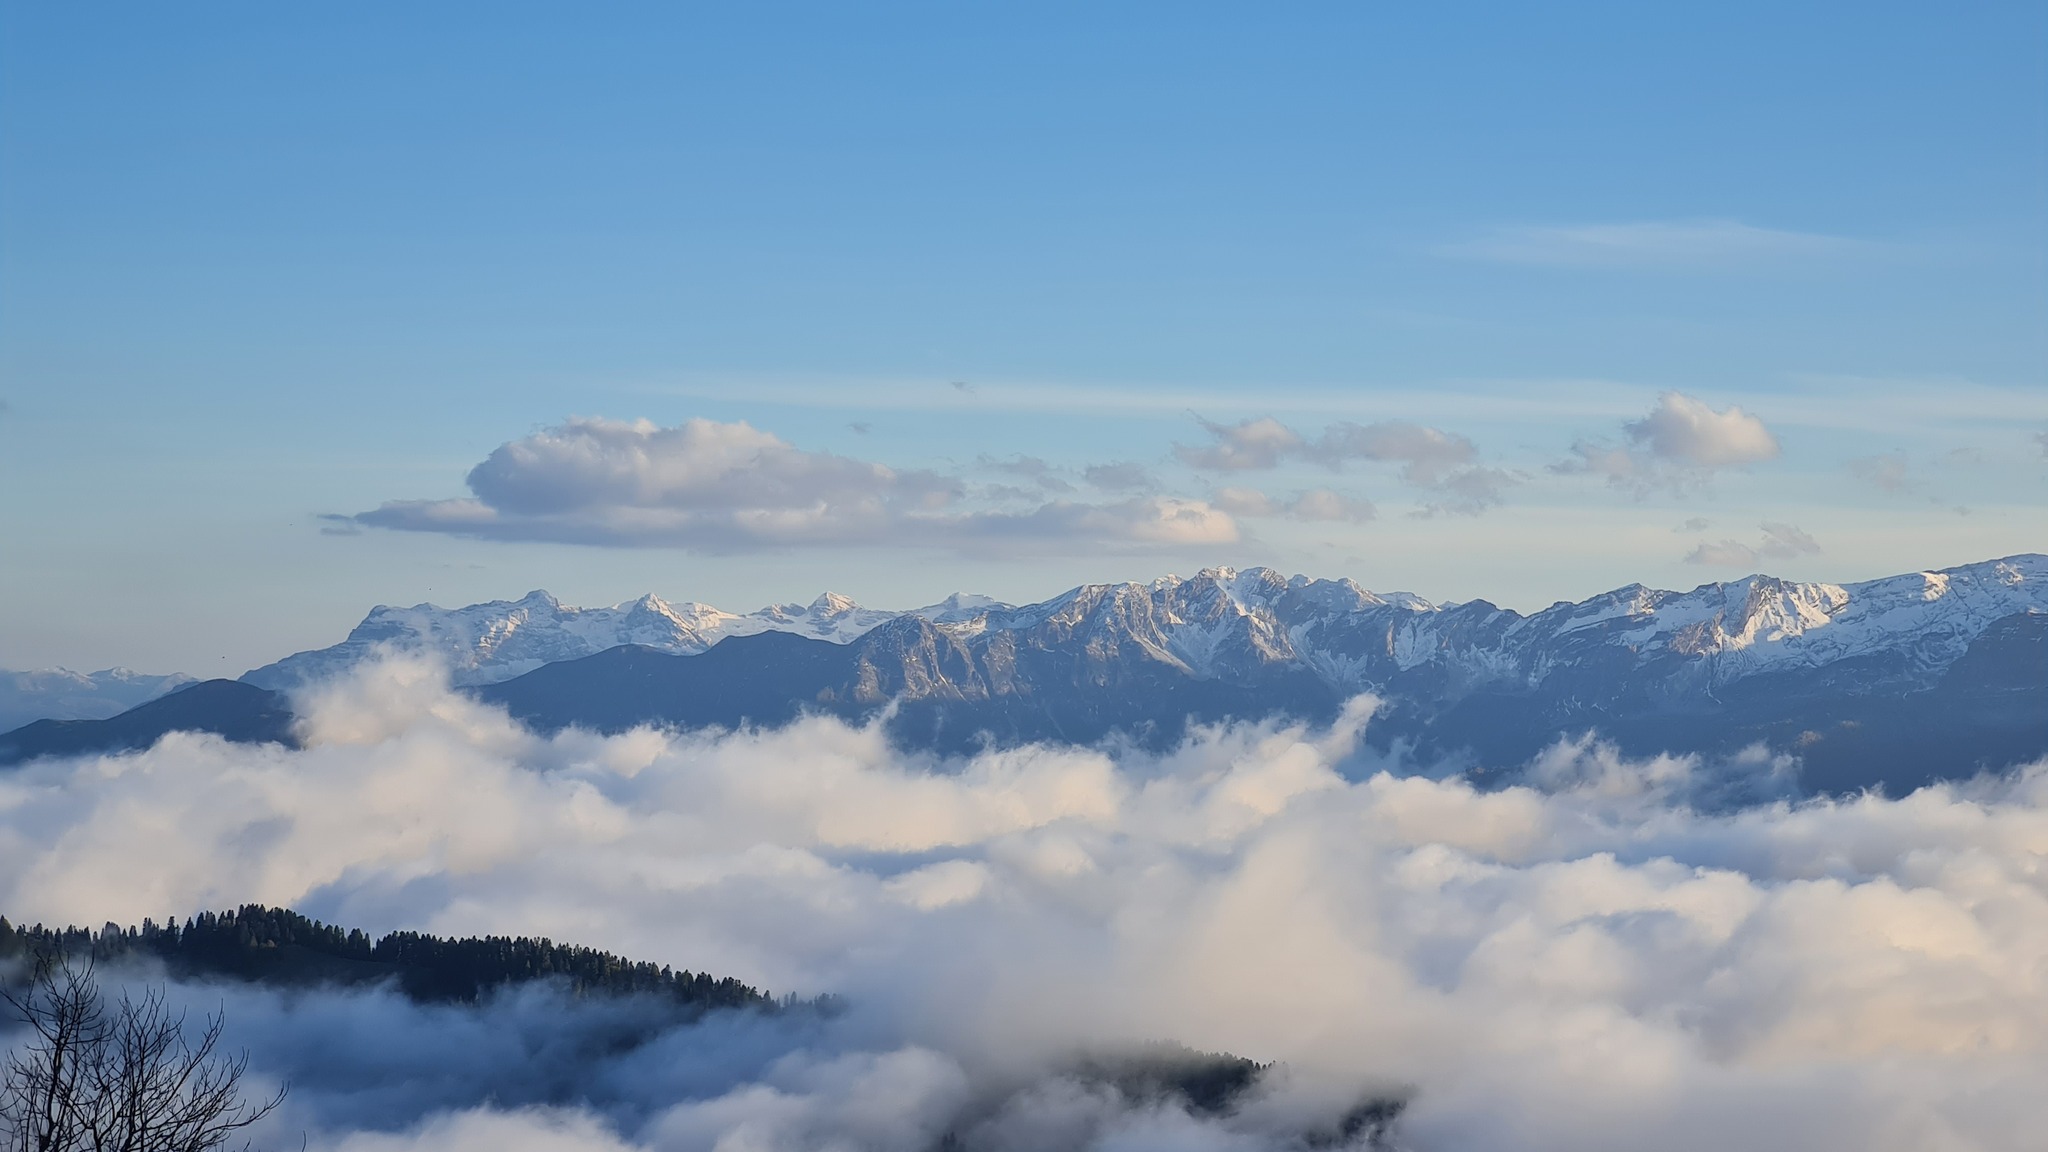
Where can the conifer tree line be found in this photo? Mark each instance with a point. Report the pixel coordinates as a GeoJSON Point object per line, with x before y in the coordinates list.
{"type": "Point", "coordinates": [278, 945]}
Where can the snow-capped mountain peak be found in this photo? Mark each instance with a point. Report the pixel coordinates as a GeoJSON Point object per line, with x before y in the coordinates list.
{"type": "Point", "coordinates": [1229, 623]}
{"type": "Point", "coordinates": [500, 639]}
{"type": "Point", "coordinates": [61, 694]}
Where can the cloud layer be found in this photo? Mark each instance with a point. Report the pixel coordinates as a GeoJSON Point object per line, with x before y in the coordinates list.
{"type": "Point", "coordinates": [719, 487]}
{"type": "Point", "coordinates": [1579, 962]}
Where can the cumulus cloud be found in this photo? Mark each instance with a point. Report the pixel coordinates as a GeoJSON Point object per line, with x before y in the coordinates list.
{"type": "Point", "coordinates": [1780, 542]}
{"type": "Point", "coordinates": [1651, 244]}
{"type": "Point", "coordinates": [1687, 431]}
{"type": "Point", "coordinates": [1581, 960]}
{"type": "Point", "coordinates": [731, 487]}
{"type": "Point", "coordinates": [1678, 445]}
{"type": "Point", "coordinates": [1440, 463]}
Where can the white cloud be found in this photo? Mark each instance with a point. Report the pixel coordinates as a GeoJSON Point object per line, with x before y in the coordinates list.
{"type": "Point", "coordinates": [1650, 244]}
{"type": "Point", "coordinates": [1426, 455]}
{"type": "Point", "coordinates": [1321, 504]}
{"type": "Point", "coordinates": [1249, 445]}
{"type": "Point", "coordinates": [719, 487]}
{"type": "Point", "coordinates": [1780, 542]}
{"type": "Point", "coordinates": [1687, 431]}
{"type": "Point", "coordinates": [1441, 463]}
{"type": "Point", "coordinates": [1678, 445]}
{"type": "Point", "coordinates": [702, 483]}
{"type": "Point", "coordinates": [1581, 961]}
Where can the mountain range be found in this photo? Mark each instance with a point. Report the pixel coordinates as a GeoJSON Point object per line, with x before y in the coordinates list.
{"type": "Point", "coordinates": [501, 639]}
{"type": "Point", "coordinates": [1889, 681]}
{"type": "Point", "coordinates": [67, 695]}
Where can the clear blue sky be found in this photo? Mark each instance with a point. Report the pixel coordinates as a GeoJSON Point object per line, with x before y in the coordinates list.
{"type": "Point", "coordinates": [262, 263]}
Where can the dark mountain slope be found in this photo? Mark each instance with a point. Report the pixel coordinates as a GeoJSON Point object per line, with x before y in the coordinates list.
{"type": "Point", "coordinates": [762, 679]}
{"type": "Point", "coordinates": [241, 712]}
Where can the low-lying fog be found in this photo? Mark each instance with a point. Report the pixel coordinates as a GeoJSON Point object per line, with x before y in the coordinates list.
{"type": "Point", "coordinates": [1583, 962]}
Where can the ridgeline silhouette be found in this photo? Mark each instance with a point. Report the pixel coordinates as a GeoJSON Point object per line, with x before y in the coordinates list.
{"type": "Point", "coordinates": [280, 946]}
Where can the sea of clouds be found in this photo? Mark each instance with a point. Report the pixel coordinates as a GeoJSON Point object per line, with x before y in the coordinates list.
{"type": "Point", "coordinates": [1584, 961]}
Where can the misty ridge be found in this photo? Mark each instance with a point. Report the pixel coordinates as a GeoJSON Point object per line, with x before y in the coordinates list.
{"type": "Point", "coordinates": [278, 948]}
{"type": "Point", "coordinates": [1580, 957]}
{"type": "Point", "coordinates": [1236, 861]}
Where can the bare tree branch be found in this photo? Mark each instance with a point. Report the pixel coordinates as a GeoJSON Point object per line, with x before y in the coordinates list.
{"type": "Point", "coordinates": [129, 1080]}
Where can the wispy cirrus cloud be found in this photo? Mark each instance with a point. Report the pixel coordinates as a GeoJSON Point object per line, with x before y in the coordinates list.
{"type": "Point", "coordinates": [1442, 464]}
{"type": "Point", "coordinates": [1780, 542]}
{"type": "Point", "coordinates": [1316, 504]}
{"type": "Point", "coordinates": [1123, 476]}
{"type": "Point", "coordinates": [1247, 446]}
{"type": "Point", "coordinates": [1707, 243]}
{"type": "Point", "coordinates": [1032, 468]}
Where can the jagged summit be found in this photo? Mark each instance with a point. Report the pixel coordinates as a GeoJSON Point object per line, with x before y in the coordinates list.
{"type": "Point", "coordinates": [499, 639]}
{"type": "Point", "coordinates": [1884, 681]}
{"type": "Point", "coordinates": [1226, 622]}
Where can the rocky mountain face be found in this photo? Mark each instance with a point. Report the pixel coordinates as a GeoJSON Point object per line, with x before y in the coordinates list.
{"type": "Point", "coordinates": [1890, 681]}
{"type": "Point", "coordinates": [494, 641]}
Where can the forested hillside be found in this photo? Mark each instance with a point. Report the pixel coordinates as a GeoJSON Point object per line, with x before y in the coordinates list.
{"type": "Point", "coordinates": [277, 945]}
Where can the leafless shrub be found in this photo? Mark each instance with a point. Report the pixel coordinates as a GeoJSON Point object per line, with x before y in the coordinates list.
{"type": "Point", "coordinates": [88, 1077]}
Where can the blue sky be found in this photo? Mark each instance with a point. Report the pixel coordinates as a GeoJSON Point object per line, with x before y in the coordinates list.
{"type": "Point", "coordinates": [265, 264]}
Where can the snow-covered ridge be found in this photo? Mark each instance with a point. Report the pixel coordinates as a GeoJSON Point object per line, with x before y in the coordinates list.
{"type": "Point", "coordinates": [61, 694]}
{"type": "Point", "coordinates": [1761, 623]}
{"type": "Point", "coordinates": [500, 639]}
{"type": "Point", "coordinates": [1222, 622]}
